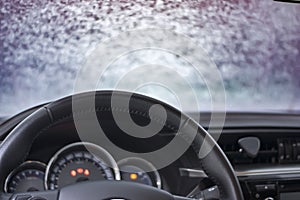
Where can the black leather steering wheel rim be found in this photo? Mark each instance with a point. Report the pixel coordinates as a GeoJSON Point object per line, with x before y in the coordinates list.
{"type": "Point", "coordinates": [215, 164]}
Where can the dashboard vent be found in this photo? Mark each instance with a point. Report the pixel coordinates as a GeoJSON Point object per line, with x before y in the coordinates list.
{"type": "Point", "coordinates": [268, 154]}
{"type": "Point", "coordinates": [289, 150]}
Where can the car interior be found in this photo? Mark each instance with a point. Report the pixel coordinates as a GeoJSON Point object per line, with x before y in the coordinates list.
{"type": "Point", "coordinates": [166, 100]}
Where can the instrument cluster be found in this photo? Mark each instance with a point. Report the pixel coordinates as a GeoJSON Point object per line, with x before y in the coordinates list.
{"type": "Point", "coordinates": [79, 162]}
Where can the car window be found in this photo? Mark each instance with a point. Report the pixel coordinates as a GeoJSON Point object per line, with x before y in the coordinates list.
{"type": "Point", "coordinates": [255, 45]}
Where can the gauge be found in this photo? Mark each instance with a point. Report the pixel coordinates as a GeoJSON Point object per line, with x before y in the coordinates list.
{"type": "Point", "coordinates": [28, 177]}
{"type": "Point", "coordinates": [74, 164]}
{"type": "Point", "coordinates": [139, 171]}
{"type": "Point", "coordinates": [135, 174]}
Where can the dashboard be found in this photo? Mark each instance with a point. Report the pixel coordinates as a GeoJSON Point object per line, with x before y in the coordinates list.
{"type": "Point", "coordinates": [74, 163]}
{"type": "Point", "coordinates": [59, 158]}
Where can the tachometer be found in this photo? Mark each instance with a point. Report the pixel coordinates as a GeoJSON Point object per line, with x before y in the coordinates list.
{"type": "Point", "coordinates": [28, 177]}
{"type": "Point", "coordinates": [74, 164]}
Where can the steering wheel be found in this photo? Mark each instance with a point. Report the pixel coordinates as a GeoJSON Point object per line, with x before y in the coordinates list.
{"type": "Point", "coordinates": [16, 146]}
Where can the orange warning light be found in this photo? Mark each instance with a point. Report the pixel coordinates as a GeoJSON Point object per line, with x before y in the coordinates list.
{"type": "Point", "coordinates": [73, 173]}
{"type": "Point", "coordinates": [133, 176]}
{"type": "Point", "coordinates": [80, 170]}
{"type": "Point", "coordinates": [86, 172]}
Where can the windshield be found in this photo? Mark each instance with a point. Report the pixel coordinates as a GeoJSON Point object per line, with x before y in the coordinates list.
{"type": "Point", "coordinates": [255, 45]}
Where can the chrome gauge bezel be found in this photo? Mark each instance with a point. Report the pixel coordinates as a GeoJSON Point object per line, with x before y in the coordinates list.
{"type": "Point", "coordinates": [144, 165]}
{"type": "Point", "coordinates": [30, 164]}
{"type": "Point", "coordinates": [112, 163]}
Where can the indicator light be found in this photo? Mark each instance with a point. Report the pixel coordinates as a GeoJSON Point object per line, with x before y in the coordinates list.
{"type": "Point", "coordinates": [80, 170]}
{"type": "Point", "coordinates": [73, 173]}
{"type": "Point", "coordinates": [133, 176]}
{"type": "Point", "coordinates": [86, 172]}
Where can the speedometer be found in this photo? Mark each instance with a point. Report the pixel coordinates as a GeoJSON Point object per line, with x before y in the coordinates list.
{"type": "Point", "coordinates": [74, 164]}
{"type": "Point", "coordinates": [28, 177]}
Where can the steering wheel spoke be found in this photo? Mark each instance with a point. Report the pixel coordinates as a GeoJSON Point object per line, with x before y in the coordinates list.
{"type": "Point", "coordinates": [44, 195]}
{"type": "Point", "coordinates": [97, 190]}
